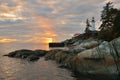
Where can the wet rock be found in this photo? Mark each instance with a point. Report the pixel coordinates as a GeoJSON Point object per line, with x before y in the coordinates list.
{"type": "Point", "coordinates": [61, 56]}
{"type": "Point", "coordinates": [51, 54]}
{"type": "Point", "coordinates": [40, 52]}
{"type": "Point", "coordinates": [27, 54]}
{"type": "Point", "coordinates": [33, 58]}
{"type": "Point", "coordinates": [21, 53]}
{"type": "Point", "coordinates": [11, 54]}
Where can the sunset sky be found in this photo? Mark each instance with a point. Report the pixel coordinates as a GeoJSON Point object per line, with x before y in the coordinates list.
{"type": "Point", "coordinates": [33, 23]}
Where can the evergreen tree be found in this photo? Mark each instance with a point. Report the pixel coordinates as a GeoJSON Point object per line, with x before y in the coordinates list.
{"type": "Point", "coordinates": [87, 26]}
{"type": "Point", "coordinates": [116, 27]}
{"type": "Point", "coordinates": [106, 17]}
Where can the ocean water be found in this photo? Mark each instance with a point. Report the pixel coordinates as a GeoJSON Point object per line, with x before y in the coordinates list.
{"type": "Point", "coordinates": [17, 69]}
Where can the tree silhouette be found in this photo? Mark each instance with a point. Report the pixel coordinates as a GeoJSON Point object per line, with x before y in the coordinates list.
{"type": "Point", "coordinates": [87, 26]}
{"type": "Point", "coordinates": [108, 17]}
{"type": "Point", "coordinates": [116, 27]}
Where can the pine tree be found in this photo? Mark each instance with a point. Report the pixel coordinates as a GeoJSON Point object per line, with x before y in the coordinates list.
{"type": "Point", "coordinates": [116, 27]}
{"type": "Point", "coordinates": [106, 17]}
{"type": "Point", "coordinates": [87, 26]}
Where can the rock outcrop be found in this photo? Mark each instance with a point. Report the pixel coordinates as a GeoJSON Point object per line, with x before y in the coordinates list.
{"type": "Point", "coordinates": [84, 44]}
{"type": "Point", "coordinates": [102, 58]}
{"type": "Point", "coordinates": [27, 54]}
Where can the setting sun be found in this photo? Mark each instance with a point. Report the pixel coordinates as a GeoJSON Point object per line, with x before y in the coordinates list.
{"type": "Point", "coordinates": [49, 40]}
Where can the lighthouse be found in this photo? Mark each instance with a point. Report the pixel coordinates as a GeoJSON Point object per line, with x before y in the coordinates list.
{"type": "Point", "coordinates": [93, 24]}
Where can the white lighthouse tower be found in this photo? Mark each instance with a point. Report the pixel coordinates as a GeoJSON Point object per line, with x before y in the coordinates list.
{"type": "Point", "coordinates": [93, 24]}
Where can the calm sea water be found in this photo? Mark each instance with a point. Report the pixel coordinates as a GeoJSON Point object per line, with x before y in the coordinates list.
{"type": "Point", "coordinates": [17, 69]}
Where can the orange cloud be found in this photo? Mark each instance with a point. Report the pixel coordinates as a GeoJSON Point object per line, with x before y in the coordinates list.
{"type": "Point", "coordinates": [44, 22]}
{"type": "Point", "coordinates": [10, 12]}
{"type": "Point", "coordinates": [7, 40]}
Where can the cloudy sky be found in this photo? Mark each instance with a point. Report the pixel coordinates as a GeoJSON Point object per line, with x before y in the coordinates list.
{"type": "Point", "coordinates": [33, 23]}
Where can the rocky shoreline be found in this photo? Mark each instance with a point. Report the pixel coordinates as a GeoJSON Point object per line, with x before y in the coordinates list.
{"type": "Point", "coordinates": [29, 55]}
{"type": "Point", "coordinates": [84, 56]}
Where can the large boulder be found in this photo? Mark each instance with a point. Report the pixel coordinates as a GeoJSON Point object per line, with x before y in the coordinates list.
{"type": "Point", "coordinates": [90, 43]}
{"type": "Point", "coordinates": [99, 60]}
{"type": "Point", "coordinates": [77, 49]}
{"type": "Point", "coordinates": [61, 56]}
{"type": "Point", "coordinates": [82, 45]}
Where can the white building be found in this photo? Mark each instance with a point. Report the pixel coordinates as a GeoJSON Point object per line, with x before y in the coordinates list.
{"type": "Point", "coordinates": [92, 28]}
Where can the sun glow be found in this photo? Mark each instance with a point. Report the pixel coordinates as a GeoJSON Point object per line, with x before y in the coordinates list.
{"type": "Point", "coordinates": [43, 40]}
{"type": "Point", "coordinates": [49, 40]}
